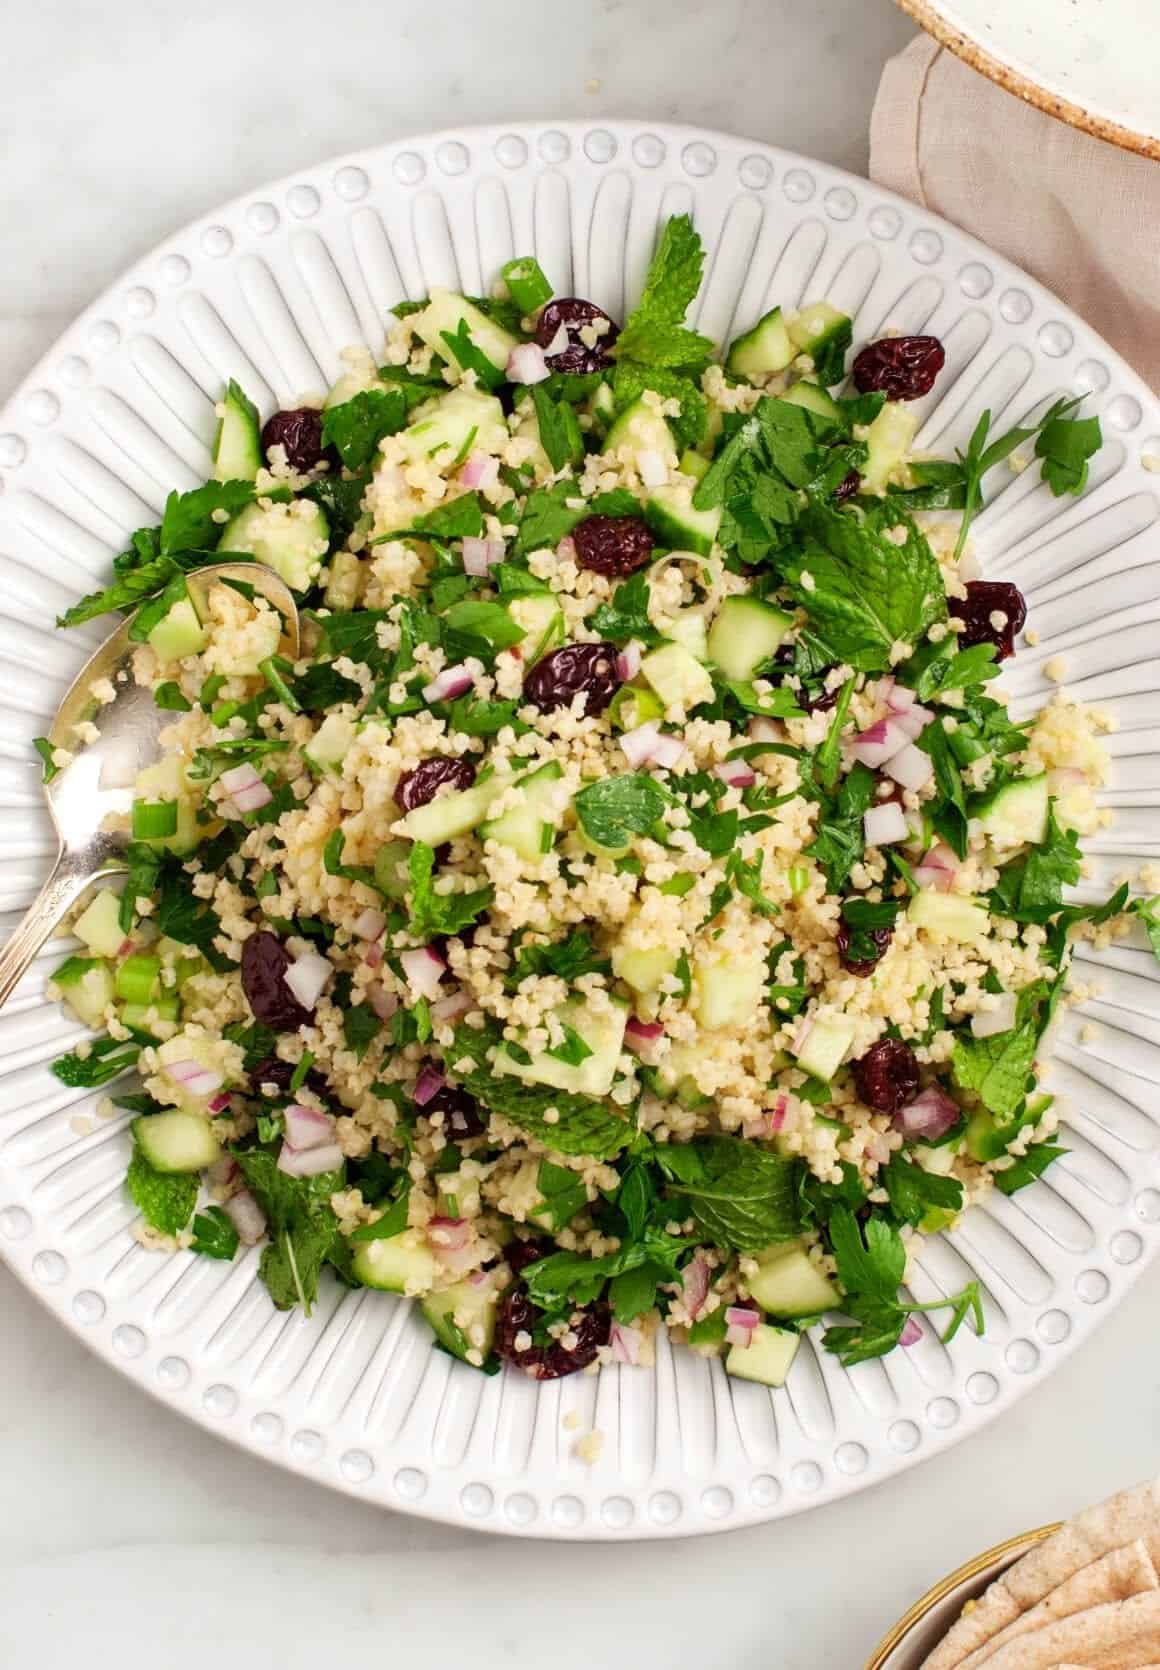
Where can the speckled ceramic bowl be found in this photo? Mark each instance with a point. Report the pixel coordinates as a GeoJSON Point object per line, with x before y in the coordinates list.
{"type": "Point", "coordinates": [923, 1627]}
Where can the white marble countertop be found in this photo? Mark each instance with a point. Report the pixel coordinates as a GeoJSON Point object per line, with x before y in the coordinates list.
{"type": "Point", "coordinates": [129, 1538]}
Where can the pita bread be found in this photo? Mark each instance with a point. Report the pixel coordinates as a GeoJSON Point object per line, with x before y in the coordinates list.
{"type": "Point", "coordinates": [1116, 1636]}
{"type": "Point", "coordinates": [1123, 1518]}
{"type": "Point", "coordinates": [1118, 1575]}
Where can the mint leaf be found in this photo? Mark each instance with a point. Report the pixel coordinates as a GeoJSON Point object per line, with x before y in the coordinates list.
{"type": "Point", "coordinates": [214, 1236]}
{"type": "Point", "coordinates": [358, 425]}
{"type": "Point", "coordinates": [164, 1199]}
{"type": "Point", "coordinates": [996, 1069]}
{"type": "Point", "coordinates": [583, 1126]}
{"type": "Point", "coordinates": [461, 518]}
{"type": "Point", "coordinates": [303, 1229]}
{"type": "Point", "coordinates": [615, 809]}
{"type": "Point", "coordinates": [652, 333]}
{"type": "Point", "coordinates": [439, 913]}
{"type": "Point", "coordinates": [629, 382]}
{"type": "Point", "coordinates": [1030, 888]}
{"type": "Point", "coordinates": [865, 593]}
{"type": "Point", "coordinates": [742, 1196]}
{"type": "Point", "coordinates": [487, 621]}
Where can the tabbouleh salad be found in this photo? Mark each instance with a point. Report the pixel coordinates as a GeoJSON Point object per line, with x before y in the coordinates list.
{"type": "Point", "coordinates": [635, 905]}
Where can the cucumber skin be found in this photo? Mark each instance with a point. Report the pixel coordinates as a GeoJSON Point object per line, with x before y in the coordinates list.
{"type": "Point", "coordinates": [175, 1142]}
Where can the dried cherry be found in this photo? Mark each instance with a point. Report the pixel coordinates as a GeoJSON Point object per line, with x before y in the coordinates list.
{"type": "Point", "coordinates": [900, 367]}
{"type": "Point", "coordinates": [887, 1075]}
{"type": "Point", "coordinates": [273, 1070]}
{"type": "Point", "coordinates": [985, 598]}
{"type": "Point", "coordinates": [264, 963]}
{"type": "Point", "coordinates": [517, 1314]}
{"type": "Point", "coordinates": [299, 431]}
{"type": "Point", "coordinates": [423, 782]}
{"type": "Point", "coordinates": [577, 669]}
{"type": "Point", "coordinates": [613, 545]}
{"type": "Point", "coordinates": [863, 966]}
{"type": "Point", "coordinates": [462, 1117]}
{"type": "Point", "coordinates": [847, 487]}
{"type": "Point", "coordinates": [574, 314]}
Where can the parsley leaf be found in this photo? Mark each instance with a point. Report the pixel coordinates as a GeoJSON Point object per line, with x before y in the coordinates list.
{"type": "Point", "coordinates": [838, 841]}
{"type": "Point", "coordinates": [164, 1199]}
{"type": "Point", "coordinates": [871, 1259]}
{"type": "Point", "coordinates": [742, 1196]}
{"type": "Point", "coordinates": [1148, 911]}
{"type": "Point", "coordinates": [1030, 888]}
{"type": "Point", "coordinates": [625, 615]}
{"type": "Point", "coordinates": [559, 429]}
{"type": "Point", "coordinates": [105, 1060]}
{"type": "Point", "coordinates": [1065, 445]}
{"type": "Point", "coordinates": [629, 382]}
{"type": "Point", "coordinates": [862, 917]}
{"type": "Point", "coordinates": [653, 332]}
{"type": "Point", "coordinates": [562, 1195]}
{"type": "Point", "coordinates": [865, 593]}
{"type": "Point", "coordinates": [1027, 1167]}
{"type": "Point", "coordinates": [358, 425]}
{"type": "Point", "coordinates": [914, 1191]}
{"type": "Point", "coordinates": [615, 809]}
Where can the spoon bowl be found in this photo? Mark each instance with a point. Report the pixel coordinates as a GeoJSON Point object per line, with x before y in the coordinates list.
{"type": "Point", "coordinates": [109, 742]}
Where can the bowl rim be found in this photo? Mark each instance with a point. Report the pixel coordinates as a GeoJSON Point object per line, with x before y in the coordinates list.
{"type": "Point", "coordinates": [1014, 1547]}
{"type": "Point", "coordinates": [1032, 92]}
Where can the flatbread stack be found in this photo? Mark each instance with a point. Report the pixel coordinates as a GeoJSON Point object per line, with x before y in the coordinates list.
{"type": "Point", "coordinates": [1088, 1598]}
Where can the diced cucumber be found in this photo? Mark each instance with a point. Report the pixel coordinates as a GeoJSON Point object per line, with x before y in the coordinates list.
{"type": "Point", "coordinates": [767, 1357]}
{"type": "Point", "coordinates": [787, 1283]}
{"type": "Point", "coordinates": [530, 829]}
{"type": "Point", "coordinates": [633, 706]}
{"type": "Point", "coordinates": [137, 978]}
{"type": "Point", "coordinates": [447, 312]}
{"type": "Point", "coordinates": [463, 1317]}
{"type": "Point", "coordinates": [291, 539]}
{"type": "Point", "coordinates": [391, 869]}
{"type": "Point", "coordinates": [985, 1139]}
{"type": "Point", "coordinates": [688, 629]}
{"type": "Point", "coordinates": [237, 447]}
{"type": "Point", "coordinates": [141, 1017]}
{"type": "Point", "coordinates": [331, 742]}
{"type": "Point", "coordinates": [353, 382]}
{"type": "Point", "coordinates": [937, 1158]}
{"type": "Point", "coordinates": [727, 990]}
{"type": "Point", "coordinates": [602, 408]}
{"type": "Point", "coordinates": [949, 915]}
{"type": "Point", "coordinates": [677, 677]}
{"type": "Point", "coordinates": [344, 582]}
{"type": "Point", "coordinates": [463, 418]}
{"type": "Point", "coordinates": [175, 1141]}
{"type": "Point", "coordinates": [458, 1195]}
{"type": "Point", "coordinates": [676, 1074]}
{"type": "Point", "coordinates": [178, 633]}
{"type": "Point", "coordinates": [98, 926]}
{"type": "Point", "coordinates": [694, 464]}
{"type": "Point", "coordinates": [601, 1030]}
{"type": "Point", "coordinates": [816, 326]}
{"type": "Point", "coordinates": [396, 1264]}
{"type": "Point", "coordinates": [641, 428]}
{"type": "Point", "coordinates": [764, 349]}
{"type": "Point", "coordinates": [888, 442]}
{"type": "Point", "coordinates": [543, 622]}
{"type": "Point", "coordinates": [451, 815]}
{"type": "Point", "coordinates": [167, 780]}
{"type": "Point", "coordinates": [643, 967]}
{"type": "Point", "coordinates": [814, 398]}
{"type": "Point", "coordinates": [824, 1047]}
{"type": "Point", "coordinates": [677, 526]}
{"type": "Point", "coordinates": [745, 634]}
{"type": "Point", "coordinates": [86, 985]}
{"type": "Point", "coordinates": [1017, 812]}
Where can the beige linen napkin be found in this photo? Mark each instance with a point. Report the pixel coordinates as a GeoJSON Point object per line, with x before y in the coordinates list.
{"type": "Point", "coordinates": [1079, 214]}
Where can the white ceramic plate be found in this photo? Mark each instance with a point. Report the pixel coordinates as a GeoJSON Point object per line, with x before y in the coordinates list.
{"type": "Point", "coordinates": [269, 289]}
{"type": "Point", "coordinates": [1093, 63]}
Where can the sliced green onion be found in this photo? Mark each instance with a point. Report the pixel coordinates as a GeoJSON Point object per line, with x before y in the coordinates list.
{"type": "Point", "coordinates": [170, 698]}
{"type": "Point", "coordinates": [210, 689]}
{"type": "Point", "coordinates": [137, 979]}
{"type": "Point", "coordinates": [154, 820]}
{"type": "Point", "coordinates": [274, 670]}
{"type": "Point", "coordinates": [799, 878]}
{"type": "Point", "coordinates": [298, 1076]}
{"type": "Point", "coordinates": [678, 885]}
{"type": "Point", "coordinates": [45, 749]}
{"type": "Point", "coordinates": [139, 1016]}
{"type": "Point", "coordinates": [527, 284]}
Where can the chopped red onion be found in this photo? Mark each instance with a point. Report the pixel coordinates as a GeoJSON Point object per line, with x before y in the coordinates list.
{"type": "Point", "coordinates": [883, 825]}
{"type": "Point", "coordinates": [640, 1036]}
{"type": "Point", "coordinates": [651, 468]}
{"type": "Point", "coordinates": [629, 660]}
{"type": "Point", "coordinates": [424, 970]}
{"type": "Point", "coordinates": [194, 1078]}
{"type": "Point", "coordinates": [911, 1333]}
{"type": "Point", "coordinates": [222, 1173]}
{"type": "Point", "coordinates": [307, 977]}
{"type": "Point", "coordinates": [306, 1127]}
{"type": "Point", "coordinates": [125, 948]}
{"type": "Point", "coordinates": [249, 800]}
{"type": "Point", "coordinates": [930, 1115]}
{"type": "Point", "coordinates": [669, 751]}
{"type": "Point", "coordinates": [219, 1103]}
{"type": "Point", "coordinates": [878, 743]}
{"type": "Point", "coordinates": [480, 555]}
{"type": "Point", "coordinates": [884, 689]}
{"type": "Point", "coordinates": [558, 343]}
{"type": "Point", "coordinates": [999, 1019]}
{"type": "Point", "coordinates": [913, 720]}
{"type": "Point", "coordinates": [479, 470]}
{"type": "Point", "coordinates": [247, 1217]}
{"type": "Point", "coordinates": [239, 777]}
{"type": "Point", "coordinates": [695, 1285]}
{"type": "Point", "coordinates": [910, 767]}
{"type": "Point", "coordinates": [309, 1162]}
{"type": "Point", "coordinates": [374, 955]}
{"type": "Point", "coordinates": [527, 364]}
{"type": "Point", "coordinates": [740, 1323]}
{"type": "Point", "coordinates": [625, 1343]}
{"type": "Point", "coordinates": [639, 745]}
{"type": "Point", "coordinates": [383, 1003]}
{"type": "Point", "coordinates": [737, 773]}
{"type": "Point", "coordinates": [778, 1113]}
{"type": "Point", "coordinates": [450, 1008]}
{"type": "Point", "coordinates": [448, 1234]}
{"type": "Point", "coordinates": [1065, 777]}
{"type": "Point", "coordinates": [451, 682]}
{"type": "Point", "coordinates": [429, 1083]}
{"type": "Point", "coordinates": [938, 869]}
{"type": "Point", "coordinates": [765, 730]}
{"type": "Point", "coordinates": [370, 924]}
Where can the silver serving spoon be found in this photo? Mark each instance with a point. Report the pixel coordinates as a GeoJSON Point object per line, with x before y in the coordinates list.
{"type": "Point", "coordinates": [96, 788]}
